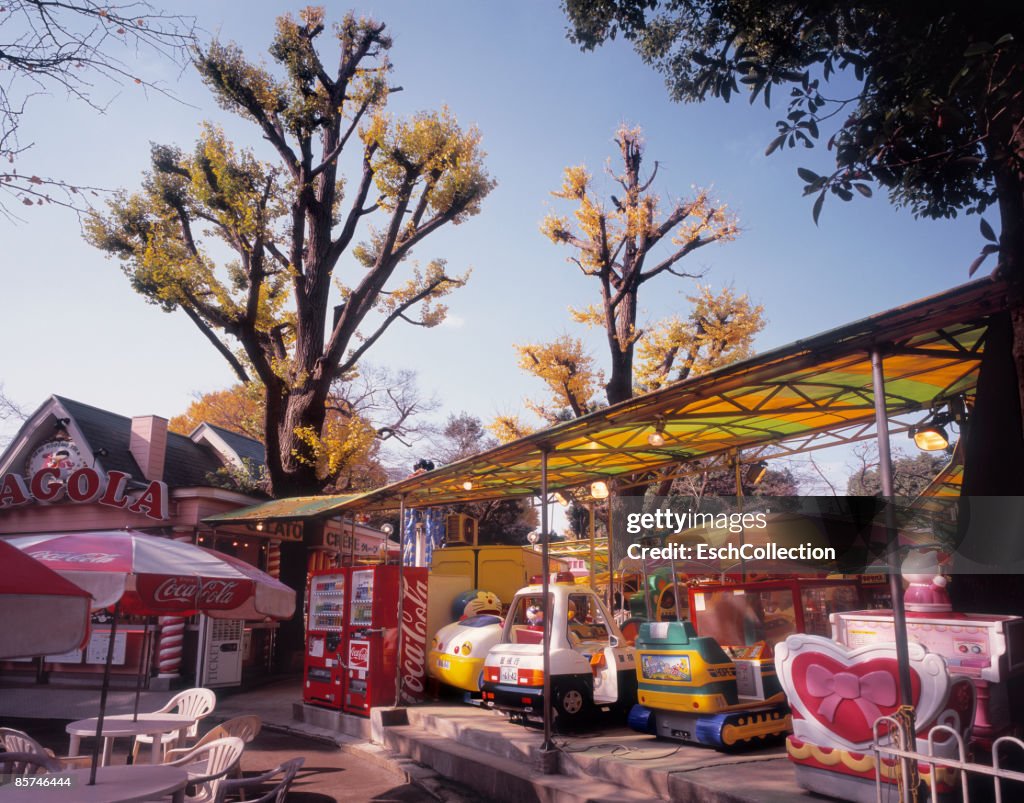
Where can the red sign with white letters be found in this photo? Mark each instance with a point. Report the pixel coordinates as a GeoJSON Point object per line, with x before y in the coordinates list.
{"type": "Point", "coordinates": [359, 655]}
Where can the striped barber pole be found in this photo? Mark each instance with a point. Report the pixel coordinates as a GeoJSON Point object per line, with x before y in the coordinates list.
{"type": "Point", "coordinates": [172, 634]}
{"type": "Point", "coordinates": [274, 559]}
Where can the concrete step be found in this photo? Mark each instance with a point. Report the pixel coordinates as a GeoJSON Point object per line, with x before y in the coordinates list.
{"type": "Point", "coordinates": [498, 778]}
{"type": "Point", "coordinates": [616, 756]}
{"type": "Point", "coordinates": [479, 729]}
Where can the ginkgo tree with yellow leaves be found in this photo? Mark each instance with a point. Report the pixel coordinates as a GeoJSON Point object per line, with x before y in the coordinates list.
{"type": "Point", "coordinates": [624, 243]}
{"type": "Point", "coordinates": [286, 224]}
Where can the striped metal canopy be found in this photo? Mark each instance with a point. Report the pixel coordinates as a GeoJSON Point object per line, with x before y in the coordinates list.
{"type": "Point", "coordinates": [811, 393]}
{"type": "Point", "coordinates": [807, 395]}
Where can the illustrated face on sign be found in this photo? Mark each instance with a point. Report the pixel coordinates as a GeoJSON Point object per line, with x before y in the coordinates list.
{"type": "Point", "coordinates": [61, 455]}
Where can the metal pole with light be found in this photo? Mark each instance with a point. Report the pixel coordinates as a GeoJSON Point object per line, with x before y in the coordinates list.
{"type": "Point", "coordinates": [590, 508]}
{"type": "Point", "coordinates": [547, 748]}
{"type": "Point", "coordinates": [599, 490]}
{"type": "Point", "coordinates": [739, 504]}
{"type": "Point", "coordinates": [611, 545]}
{"type": "Point", "coordinates": [895, 578]}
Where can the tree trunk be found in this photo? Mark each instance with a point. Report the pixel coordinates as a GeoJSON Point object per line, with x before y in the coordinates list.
{"type": "Point", "coordinates": [301, 416]}
{"type": "Point", "coordinates": [1005, 156]}
{"type": "Point", "coordinates": [619, 386]}
{"type": "Point", "coordinates": [620, 382]}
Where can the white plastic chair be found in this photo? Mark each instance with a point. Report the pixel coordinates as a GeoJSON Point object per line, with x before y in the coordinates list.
{"type": "Point", "coordinates": [207, 766]}
{"type": "Point", "coordinates": [15, 741]}
{"type": "Point", "coordinates": [195, 703]}
{"type": "Point", "coordinates": [245, 728]}
{"type": "Point", "coordinates": [277, 794]}
{"type": "Point", "coordinates": [17, 763]}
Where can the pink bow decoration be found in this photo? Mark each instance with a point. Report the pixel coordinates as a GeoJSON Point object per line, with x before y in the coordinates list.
{"type": "Point", "coordinates": [868, 692]}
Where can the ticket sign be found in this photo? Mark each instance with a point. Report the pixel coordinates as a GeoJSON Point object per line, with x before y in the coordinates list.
{"type": "Point", "coordinates": [96, 651]}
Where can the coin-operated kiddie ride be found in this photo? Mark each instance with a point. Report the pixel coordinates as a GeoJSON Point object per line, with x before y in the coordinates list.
{"type": "Point", "coordinates": [690, 689]}
{"type": "Point", "coordinates": [837, 696]}
{"type": "Point", "coordinates": [591, 667]}
{"type": "Point", "coordinates": [458, 649]}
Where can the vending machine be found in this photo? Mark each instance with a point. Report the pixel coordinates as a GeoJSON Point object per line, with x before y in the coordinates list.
{"type": "Point", "coordinates": [385, 642]}
{"type": "Point", "coordinates": [326, 638]}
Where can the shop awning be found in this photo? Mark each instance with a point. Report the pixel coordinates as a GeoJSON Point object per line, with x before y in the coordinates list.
{"type": "Point", "coordinates": [296, 508]}
{"type": "Point", "coordinates": [811, 393]}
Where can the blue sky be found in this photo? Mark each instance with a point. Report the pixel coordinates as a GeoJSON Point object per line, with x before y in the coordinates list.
{"type": "Point", "coordinates": [76, 328]}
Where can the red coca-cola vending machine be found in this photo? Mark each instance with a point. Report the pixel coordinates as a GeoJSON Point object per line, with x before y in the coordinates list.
{"type": "Point", "coordinates": [383, 640]}
{"type": "Point", "coordinates": [326, 638]}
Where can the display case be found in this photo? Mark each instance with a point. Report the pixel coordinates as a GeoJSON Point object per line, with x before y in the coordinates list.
{"type": "Point", "coordinates": [326, 638]}
{"type": "Point", "coordinates": [742, 614]}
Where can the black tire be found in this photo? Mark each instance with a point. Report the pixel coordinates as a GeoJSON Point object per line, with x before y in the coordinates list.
{"type": "Point", "coordinates": [571, 702]}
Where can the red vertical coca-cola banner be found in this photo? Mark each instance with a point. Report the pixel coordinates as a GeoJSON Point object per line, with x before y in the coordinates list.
{"type": "Point", "coordinates": [413, 659]}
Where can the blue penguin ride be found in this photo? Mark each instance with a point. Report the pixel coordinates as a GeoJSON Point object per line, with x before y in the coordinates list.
{"type": "Point", "coordinates": [687, 690]}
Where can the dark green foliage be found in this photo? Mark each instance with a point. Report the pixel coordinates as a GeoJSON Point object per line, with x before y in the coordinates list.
{"type": "Point", "coordinates": [923, 98]}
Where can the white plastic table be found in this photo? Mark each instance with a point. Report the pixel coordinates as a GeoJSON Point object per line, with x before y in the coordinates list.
{"type": "Point", "coordinates": [154, 725]}
{"type": "Point", "coordinates": [121, 784]}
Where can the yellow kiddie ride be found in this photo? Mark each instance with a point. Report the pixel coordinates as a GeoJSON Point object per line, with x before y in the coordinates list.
{"type": "Point", "coordinates": [690, 689]}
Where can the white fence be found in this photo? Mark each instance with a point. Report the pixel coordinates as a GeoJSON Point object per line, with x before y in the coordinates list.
{"type": "Point", "coordinates": [887, 747]}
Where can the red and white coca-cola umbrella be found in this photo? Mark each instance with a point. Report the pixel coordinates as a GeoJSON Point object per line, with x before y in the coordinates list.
{"type": "Point", "coordinates": [154, 576]}
{"type": "Point", "coordinates": [42, 613]}
{"type": "Point", "coordinates": [151, 576]}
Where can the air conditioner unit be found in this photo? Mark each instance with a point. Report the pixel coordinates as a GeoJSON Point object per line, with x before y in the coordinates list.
{"type": "Point", "coordinates": [460, 529]}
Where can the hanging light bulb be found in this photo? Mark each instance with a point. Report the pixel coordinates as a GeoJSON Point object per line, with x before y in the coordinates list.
{"type": "Point", "coordinates": [562, 499]}
{"type": "Point", "coordinates": [932, 435]}
{"type": "Point", "coordinates": [599, 490]}
{"type": "Point", "coordinates": [657, 438]}
{"type": "Point", "coordinates": [467, 485]}
{"type": "Point", "coordinates": [932, 438]}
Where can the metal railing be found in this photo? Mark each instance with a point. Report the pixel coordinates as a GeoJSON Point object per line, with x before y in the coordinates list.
{"type": "Point", "coordinates": [894, 736]}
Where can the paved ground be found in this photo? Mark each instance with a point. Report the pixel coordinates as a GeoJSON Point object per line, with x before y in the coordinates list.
{"type": "Point", "coordinates": [328, 775]}
{"type": "Point", "coordinates": [469, 745]}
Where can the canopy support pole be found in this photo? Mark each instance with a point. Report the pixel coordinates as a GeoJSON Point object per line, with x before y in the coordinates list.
{"type": "Point", "coordinates": [895, 577]}
{"type": "Point", "coordinates": [675, 588]}
{"type": "Point", "coordinates": [590, 507]}
{"type": "Point", "coordinates": [103, 696]}
{"type": "Point", "coordinates": [611, 549]}
{"type": "Point", "coordinates": [739, 503]}
{"type": "Point", "coordinates": [547, 747]}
